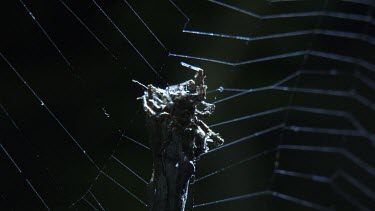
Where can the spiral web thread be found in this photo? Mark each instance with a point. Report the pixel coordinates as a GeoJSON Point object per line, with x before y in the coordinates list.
{"type": "Point", "coordinates": [350, 180]}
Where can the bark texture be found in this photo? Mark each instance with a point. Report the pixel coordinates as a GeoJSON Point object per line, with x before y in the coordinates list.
{"type": "Point", "coordinates": [177, 138]}
{"type": "Point", "coordinates": [172, 167]}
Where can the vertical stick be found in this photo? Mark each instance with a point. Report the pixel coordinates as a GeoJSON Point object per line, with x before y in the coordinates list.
{"type": "Point", "coordinates": [177, 138]}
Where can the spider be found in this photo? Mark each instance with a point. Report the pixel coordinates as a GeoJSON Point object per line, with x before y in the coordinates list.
{"type": "Point", "coordinates": [178, 105]}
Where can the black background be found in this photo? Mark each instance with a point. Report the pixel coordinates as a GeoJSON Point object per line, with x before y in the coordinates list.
{"type": "Point", "coordinates": [93, 101]}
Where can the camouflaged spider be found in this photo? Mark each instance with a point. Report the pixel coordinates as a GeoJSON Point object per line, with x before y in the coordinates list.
{"type": "Point", "coordinates": [179, 104]}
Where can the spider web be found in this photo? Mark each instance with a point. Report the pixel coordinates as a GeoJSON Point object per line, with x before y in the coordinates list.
{"type": "Point", "coordinates": [293, 83]}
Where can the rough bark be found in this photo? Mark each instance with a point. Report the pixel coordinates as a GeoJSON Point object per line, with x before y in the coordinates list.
{"type": "Point", "coordinates": [177, 138]}
{"type": "Point", "coordinates": [172, 167]}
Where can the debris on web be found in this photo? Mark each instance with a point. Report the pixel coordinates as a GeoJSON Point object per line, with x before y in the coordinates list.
{"type": "Point", "coordinates": [178, 105]}
{"type": "Point", "coordinates": [178, 137]}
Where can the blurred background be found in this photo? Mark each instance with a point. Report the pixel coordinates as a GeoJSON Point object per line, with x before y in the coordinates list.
{"type": "Point", "coordinates": [293, 82]}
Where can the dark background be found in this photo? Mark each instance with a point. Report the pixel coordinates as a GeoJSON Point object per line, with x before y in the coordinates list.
{"type": "Point", "coordinates": [90, 102]}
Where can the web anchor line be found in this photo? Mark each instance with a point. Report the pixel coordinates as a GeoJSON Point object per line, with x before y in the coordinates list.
{"type": "Point", "coordinates": [46, 34]}
{"type": "Point", "coordinates": [127, 40]}
{"type": "Point", "coordinates": [129, 169]}
{"type": "Point", "coordinates": [69, 64]}
{"type": "Point", "coordinates": [343, 152]}
{"type": "Point", "coordinates": [96, 200]}
{"type": "Point", "coordinates": [88, 29]}
{"type": "Point", "coordinates": [60, 123]}
{"type": "Point", "coordinates": [321, 54]}
{"type": "Point", "coordinates": [277, 86]}
{"type": "Point", "coordinates": [13, 122]}
{"type": "Point", "coordinates": [89, 190]}
{"type": "Point", "coordinates": [122, 187]}
{"type": "Point", "coordinates": [24, 176]}
{"type": "Point", "coordinates": [55, 45]}
{"type": "Point", "coordinates": [360, 130]}
{"type": "Point", "coordinates": [317, 178]}
{"type": "Point", "coordinates": [339, 15]}
{"type": "Point", "coordinates": [334, 33]}
{"type": "Point", "coordinates": [136, 142]}
{"type": "Point", "coordinates": [147, 27]}
{"type": "Point", "coordinates": [42, 103]}
{"type": "Point", "coordinates": [90, 204]}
